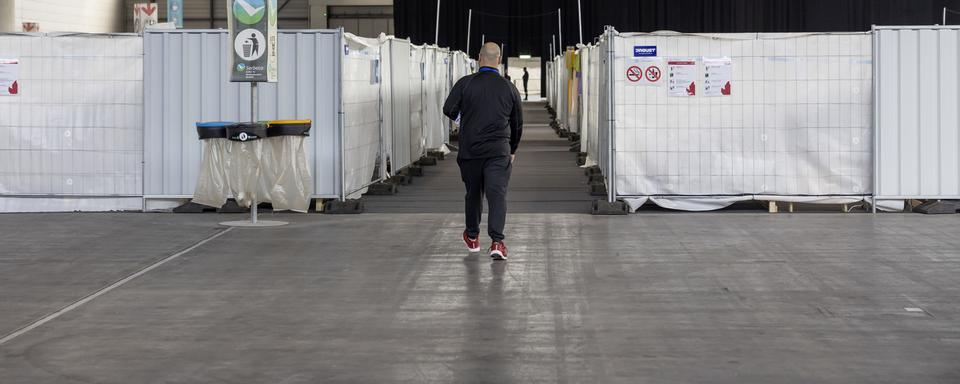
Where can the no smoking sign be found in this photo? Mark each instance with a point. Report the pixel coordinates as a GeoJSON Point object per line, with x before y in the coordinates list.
{"type": "Point", "coordinates": [644, 72]}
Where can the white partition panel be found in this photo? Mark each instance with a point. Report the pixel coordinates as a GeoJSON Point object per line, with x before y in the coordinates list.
{"type": "Point", "coordinates": [918, 112]}
{"type": "Point", "coordinates": [71, 138]}
{"type": "Point", "coordinates": [797, 122]}
{"type": "Point", "coordinates": [397, 106]}
{"type": "Point", "coordinates": [362, 128]}
{"type": "Point", "coordinates": [187, 81]}
{"type": "Point", "coordinates": [417, 80]}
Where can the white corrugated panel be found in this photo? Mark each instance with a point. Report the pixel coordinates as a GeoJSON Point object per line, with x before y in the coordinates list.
{"type": "Point", "coordinates": [797, 123]}
{"type": "Point", "coordinates": [918, 112]}
{"type": "Point", "coordinates": [187, 82]}
{"type": "Point", "coordinates": [73, 134]}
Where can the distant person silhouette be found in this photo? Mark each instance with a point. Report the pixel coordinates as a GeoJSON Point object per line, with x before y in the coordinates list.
{"type": "Point", "coordinates": [491, 122]}
{"type": "Point", "coordinates": [526, 78]}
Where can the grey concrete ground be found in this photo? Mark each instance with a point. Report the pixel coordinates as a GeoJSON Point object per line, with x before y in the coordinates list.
{"type": "Point", "coordinates": [655, 298]}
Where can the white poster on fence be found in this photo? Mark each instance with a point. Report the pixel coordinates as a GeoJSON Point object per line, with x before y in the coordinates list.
{"type": "Point", "coordinates": [717, 75]}
{"type": "Point", "coordinates": [644, 71]}
{"type": "Point", "coordinates": [683, 77]}
{"type": "Point", "coordinates": [9, 74]}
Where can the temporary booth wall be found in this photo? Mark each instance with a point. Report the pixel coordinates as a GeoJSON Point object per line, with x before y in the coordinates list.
{"type": "Point", "coordinates": [187, 81]}
{"type": "Point", "coordinates": [917, 112]}
{"type": "Point", "coordinates": [396, 103]}
{"type": "Point", "coordinates": [362, 130]}
{"type": "Point", "coordinates": [417, 80]}
{"type": "Point", "coordinates": [72, 138]}
{"type": "Point", "coordinates": [797, 125]}
{"type": "Point", "coordinates": [436, 88]}
{"type": "Point", "coordinates": [572, 72]}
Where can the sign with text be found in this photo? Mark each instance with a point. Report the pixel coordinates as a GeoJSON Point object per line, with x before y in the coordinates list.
{"type": "Point", "coordinates": [683, 77]}
{"type": "Point", "coordinates": [644, 51]}
{"type": "Point", "coordinates": [644, 71]}
{"type": "Point", "coordinates": [175, 12]}
{"type": "Point", "coordinates": [144, 15]}
{"type": "Point", "coordinates": [9, 75]}
{"type": "Point", "coordinates": [253, 33]}
{"type": "Point", "coordinates": [717, 75]}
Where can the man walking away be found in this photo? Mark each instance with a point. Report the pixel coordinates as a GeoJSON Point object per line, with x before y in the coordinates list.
{"type": "Point", "coordinates": [526, 78]}
{"type": "Point", "coordinates": [491, 123]}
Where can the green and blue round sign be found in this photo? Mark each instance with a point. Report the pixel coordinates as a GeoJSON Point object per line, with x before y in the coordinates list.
{"type": "Point", "coordinates": [249, 12]}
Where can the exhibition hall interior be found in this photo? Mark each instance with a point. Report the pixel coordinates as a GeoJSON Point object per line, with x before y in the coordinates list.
{"type": "Point", "coordinates": [467, 191]}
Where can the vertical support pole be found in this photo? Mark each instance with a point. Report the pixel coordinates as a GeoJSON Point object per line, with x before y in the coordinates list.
{"type": "Point", "coordinates": [340, 54]}
{"type": "Point", "coordinates": [611, 119]}
{"type": "Point", "coordinates": [944, 16]}
{"type": "Point", "coordinates": [553, 46]}
{"type": "Point", "coordinates": [254, 103]}
{"type": "Point", "coordinates": [580, 21]}
{"type": "Point", "coordinates": [560, 31]}
{"type": "Point", "coordinates": [876, 117]}
{"type": "Point", "coordinates": [436, 34]}
{"type": "Point", "coordinates": [469, 21]}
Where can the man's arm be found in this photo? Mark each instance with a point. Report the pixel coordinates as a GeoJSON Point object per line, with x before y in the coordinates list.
{"type": "Point", "coordinates": [451, 107]}
{"type": "Point", "coordinates": [516, 120]}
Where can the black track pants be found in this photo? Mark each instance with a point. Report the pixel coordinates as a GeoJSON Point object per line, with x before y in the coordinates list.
{"type": "Point", "coordinates": [487, 176]}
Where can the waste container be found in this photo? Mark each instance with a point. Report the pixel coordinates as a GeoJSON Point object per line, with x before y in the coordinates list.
{"type": "Point", "coordinates": [213, 188]}
{"type": "Point", "coordinates": [255, 162]}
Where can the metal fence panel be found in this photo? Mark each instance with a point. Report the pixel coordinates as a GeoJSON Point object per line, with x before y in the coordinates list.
{"type": "Point", "coordinates": [917, 112]}
{"type": "Point", "coordinates": [186, 81]}
{"type": "Point", "coordinates": [797, 122]}
{"type": "Point", "coordinates": [72, 137]}
{"type": "Point", "coordinates": [400, 106]}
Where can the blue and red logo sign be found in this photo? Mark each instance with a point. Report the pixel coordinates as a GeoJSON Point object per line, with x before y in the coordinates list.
{"type": "Point", "coordinates": [644, 51]}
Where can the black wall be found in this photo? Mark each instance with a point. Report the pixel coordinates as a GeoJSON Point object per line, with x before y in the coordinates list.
{"type": "Point", "coordinates": [526, 33]}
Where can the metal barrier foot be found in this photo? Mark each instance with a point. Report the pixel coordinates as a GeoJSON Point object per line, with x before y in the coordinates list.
{"type": "Point", "coordinates": [191, 207]}
{"type": "Point", "coordinates": [935, 207]}
{"type": "Point", "coordinates": [415, 170]}
{"type": "Point", "coordinates": [438, 155]}
{"type": "Point", "coordinates": [603, 207]}
{"type": "Point", "coordinates": [231, 207]}
{"type": "Point", "coordinates": [382, 189]}
{"type": "Point", "coordinates": [427, 160]}
{"type": "Point", "coordinates": [575, 147]}
{"type": "Point", "coordinates": [401, 179]}
{"type": "Point", "coordinates": [337, 207]}
{"type": "Point", "coordinates": [598, 189]}
{"type": "Point", "coordinates": [594, 170]}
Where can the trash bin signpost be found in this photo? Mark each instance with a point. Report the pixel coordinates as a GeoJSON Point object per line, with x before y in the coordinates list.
{"type": "Point", "coordinates": [253, 59]}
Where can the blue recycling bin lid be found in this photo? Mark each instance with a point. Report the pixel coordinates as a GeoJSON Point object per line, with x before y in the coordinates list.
{"type": "Point", "coordinates": [212, 129]}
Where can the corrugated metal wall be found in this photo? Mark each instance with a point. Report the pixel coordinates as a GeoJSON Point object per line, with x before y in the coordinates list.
{"type": "Point", "coordinates": [186, 81]}
{"type": "Point", "coordinates": [917, 145]}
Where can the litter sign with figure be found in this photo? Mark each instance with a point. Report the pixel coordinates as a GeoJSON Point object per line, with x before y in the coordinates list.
{"type": "Point", "coordinates": [253, 28]}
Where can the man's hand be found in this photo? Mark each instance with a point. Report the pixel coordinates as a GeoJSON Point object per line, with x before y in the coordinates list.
{"type": "Point", "coordinates": [512, 159]}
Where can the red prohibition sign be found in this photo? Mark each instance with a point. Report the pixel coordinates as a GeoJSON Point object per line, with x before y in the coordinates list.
{"type": "Point", "coordinates": [653, 74]}
{"type": "Point", "coordinates": [634, 74]}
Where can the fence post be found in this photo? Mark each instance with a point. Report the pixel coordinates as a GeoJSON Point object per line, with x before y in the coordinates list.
{"type": "Point", "coordinates": [611, 118]}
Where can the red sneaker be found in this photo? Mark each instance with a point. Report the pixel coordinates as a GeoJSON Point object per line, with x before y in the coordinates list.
{"type": "Point", "coordinates": [472, 244]}
{"type": "Point", "coordinates": [498, 251]}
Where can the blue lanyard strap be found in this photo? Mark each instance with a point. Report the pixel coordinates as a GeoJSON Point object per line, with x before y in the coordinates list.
{"type": "Point", "coordinates": [489, 69]}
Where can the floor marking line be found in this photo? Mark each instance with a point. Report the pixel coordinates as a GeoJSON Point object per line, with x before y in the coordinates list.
{"type": "Point", "coordinates": [106, 289]}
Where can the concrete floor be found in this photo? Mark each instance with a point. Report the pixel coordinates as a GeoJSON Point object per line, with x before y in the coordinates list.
{"type": "Point", "coordinates": [655, 298]}
{"type": "Point", "coordinates": [394, 297]}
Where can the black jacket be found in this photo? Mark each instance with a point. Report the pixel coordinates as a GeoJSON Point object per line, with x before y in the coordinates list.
{"type": "Point", "coordinates": [491, 118]}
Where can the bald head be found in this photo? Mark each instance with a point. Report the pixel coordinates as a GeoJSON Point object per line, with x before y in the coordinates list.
{"type": "Point", "coordinates": [490, 55]}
